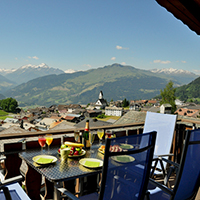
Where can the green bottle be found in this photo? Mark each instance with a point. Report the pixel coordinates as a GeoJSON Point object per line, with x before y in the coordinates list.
{"type": "Point", "coordinates": [86, 136]}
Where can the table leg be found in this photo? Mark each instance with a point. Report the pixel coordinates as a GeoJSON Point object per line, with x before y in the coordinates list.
{"type": "Point", "coordinates": [33, 183]}
{"type": "Point", "coordinates": [49, 188]}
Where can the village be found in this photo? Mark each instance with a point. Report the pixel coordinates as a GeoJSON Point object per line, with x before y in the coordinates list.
{"type": "Point", "coordinates": [74, 115]}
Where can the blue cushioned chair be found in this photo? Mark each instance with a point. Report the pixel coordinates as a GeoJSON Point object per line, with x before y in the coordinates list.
{"type": "Point", "coordinates": [188, 173]}
{"type": "Point", "coordinates": [122, 178]}
{"type": "Point", "coordinates": [11, 190]}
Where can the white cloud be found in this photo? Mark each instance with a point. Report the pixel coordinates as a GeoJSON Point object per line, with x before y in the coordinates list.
{"type": "Point", "coordinates": [120, 47]}
{"type": "Point", "coordinates": [162, 61]}
{"type": "Point", "coordinates": [183, 61]}
{"type": "Point", "coordinates": [16, 58]}
{"type": "Point", "coordinates": [34, 57]}
{"type": "Point", "coordinates": [123, 63]}
{"type": "Point", "coordinates": [87, 65]}
{"type": "Point", "coordinates": [196, 71]}
{"type": "Point", "coordinates": [113, 58]}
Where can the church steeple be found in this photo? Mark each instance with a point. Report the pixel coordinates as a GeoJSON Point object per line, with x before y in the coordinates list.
{"type": "Point", "coordinates": [101, 95]}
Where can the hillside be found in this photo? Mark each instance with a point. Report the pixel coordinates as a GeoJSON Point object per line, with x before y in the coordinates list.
{"type": "Point", "coordinates": [190, 91]}
{"type": "Point", "coordinates": [5, 84]}
{"type": "Point", "coordinates": [116, 81]}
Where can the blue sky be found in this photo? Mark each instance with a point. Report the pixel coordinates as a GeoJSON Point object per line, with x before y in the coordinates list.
{"type": "Point", "coordinates": [85, 34]}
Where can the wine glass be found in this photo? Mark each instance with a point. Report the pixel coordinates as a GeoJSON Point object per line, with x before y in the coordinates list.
{"type": "Point", "coordinates": [92, 135]}
{"type": "Point", "coordinates": [100, 133]}
{"type": "Point", "coordinates": [42, 142]}
{"type": "Point", "coordinates": [49, 140]}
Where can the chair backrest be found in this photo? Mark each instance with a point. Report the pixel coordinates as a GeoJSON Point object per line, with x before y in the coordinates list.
{"type": "Point", "coordinates": [188, 177]}
{"type": "Point", "coordinates": [122, 178]}
{"type": "Point", "coordinates": [164, 125]}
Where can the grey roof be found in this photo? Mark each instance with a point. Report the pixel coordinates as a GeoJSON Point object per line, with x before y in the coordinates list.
{"type": "Point", "coordinates": [92, 123]}
{"type": "Point", "coordinates": [63, 125]}
{"type": "Point", "coordinates": [132, 117]}
{"type": "Point", "coordinates": [13, 129]}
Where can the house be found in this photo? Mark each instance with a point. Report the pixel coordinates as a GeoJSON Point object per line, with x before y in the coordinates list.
{"type": "Point", "coordinates": [153, 102]}
{"type": "Point", "coordinates": [93, 113]}
{"type": "Point", "coordinates": [166, 108]}
{"type": "Point", "coordinates": [101, 102]}
{"type": "Point", "coordinates": [62, 109]}
{"type": "Point", "coordinates": [44, 124]}
{"type": "Point", "coordinates": [134, 106]}
{"type": "Point", "coordinates": [113, 111]}
{"type": "Point", "coordinates": [73, 117]}
{"type": "Point", "coordinates": [11, 120]}
{"type": "Point", "coordinates": [117, 103]}
{"type": "Point", "coordinates": [187, 112]}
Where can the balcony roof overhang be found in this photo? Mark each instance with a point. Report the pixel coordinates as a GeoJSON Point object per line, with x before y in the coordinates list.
{"type": "Point", "coordinates": [188, 11]}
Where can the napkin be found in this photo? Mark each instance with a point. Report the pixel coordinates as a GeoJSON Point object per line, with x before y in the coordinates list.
{"type": "Point", "coordinates": [125, 146]}
{"type": "Point", "coordinates": [89, 163]}
{"type": "Point", "coordinates": [44, 160]}
{"type": "Point", "coordinates": [123, 159]}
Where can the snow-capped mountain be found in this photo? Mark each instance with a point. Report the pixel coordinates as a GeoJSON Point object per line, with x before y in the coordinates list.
{"type": "Point", "coordinates": [29, 72]}
{"type": "Point", "coordinates": [171, 71]}
{"type": "Point", "coordinates": [183, 76]}
{"type": "Point", "coordinates": [6, 71]}
{"type": "Point", "coordinates": [41, 66]}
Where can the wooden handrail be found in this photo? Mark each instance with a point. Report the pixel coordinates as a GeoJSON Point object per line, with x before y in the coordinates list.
{"type": "Point", "coordinates": [58, 132]}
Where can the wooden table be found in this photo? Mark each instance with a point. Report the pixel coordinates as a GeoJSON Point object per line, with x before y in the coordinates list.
{"type": "Point", "coordinates": [57, 172]}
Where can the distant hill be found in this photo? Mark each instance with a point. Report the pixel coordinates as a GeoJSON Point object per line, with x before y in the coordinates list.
{"type": "Point", "coordinates": [5, 84]}
{"type": "Point", "coordinates": [116, 81]}
{"type": "Point", "coordinates": [29, 72]}
{"type": "Point", "coordinates": [190, 91]}
{"type": "Point", "coordinates": [182, 76]}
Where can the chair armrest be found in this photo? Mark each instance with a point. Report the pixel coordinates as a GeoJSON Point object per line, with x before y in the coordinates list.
{"type": "Point", "coordinates": [162, 187]}
{"type": "Point", "coordinates": [66, 192]}
{"type": "Point", "coordinates": [164, 155]}
{"type": "Point", "coordinates": [11, 180]}
{"type": "Point", "coordinates": [171, 162]}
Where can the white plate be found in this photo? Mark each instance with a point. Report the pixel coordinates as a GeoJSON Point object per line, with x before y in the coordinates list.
{"type": "Point", "coordinates": [36, 158]}
{"type": "Point", "coordinates": [126, 158]}
{"type": "Point", "coordinates": [82, 162]}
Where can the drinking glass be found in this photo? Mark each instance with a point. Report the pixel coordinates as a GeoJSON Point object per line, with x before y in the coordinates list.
{"type": "Point", "coordinates": [42, 142]}
{"type": "Point", "coordinates": [100, 133]}
{"type": "Point", "coordinates": [76, 136]}
{"type": "Point", "coordinates": [92, 135]}
{"type": "Point", "coordinates": [49, 140]}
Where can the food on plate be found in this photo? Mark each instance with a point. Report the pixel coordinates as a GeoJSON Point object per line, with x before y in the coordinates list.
{"type": "Point", "coordinates": [102, 148]}
{"type": "Point", "coordinates": [75, 148]}
{"type": "Point", "coordinates": [114, 148]}
{"type": "Point", "coordinates": [73, 144]}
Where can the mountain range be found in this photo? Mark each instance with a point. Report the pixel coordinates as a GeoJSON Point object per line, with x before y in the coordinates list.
{"type": "Point", "coordinates": [116, 81]}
